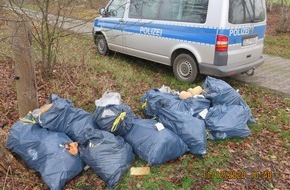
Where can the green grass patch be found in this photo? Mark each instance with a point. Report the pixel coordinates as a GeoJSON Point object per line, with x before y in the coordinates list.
{"type": "Point", "coordinates": [216, 161]}
{"type": "Point", "coordinates": [278, 1]}
{"type": "Point", "coordinates": [278, 45]}
{"type": "Point", "coordinates": [285, 135]}
{"type": "Point", "coordinates": [207, 187]}
{"type": "Point", "coordinates": [187, 182]}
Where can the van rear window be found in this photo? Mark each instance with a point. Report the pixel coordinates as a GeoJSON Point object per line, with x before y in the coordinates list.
{"type": "Point", "coordinates": [246, 11]}
{"type": "Point", "coordinates": [194, 11]}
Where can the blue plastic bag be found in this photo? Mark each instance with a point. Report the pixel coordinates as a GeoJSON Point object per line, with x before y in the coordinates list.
{"type": "Point", "coordinates": [191, 130]}
{"type": "Point", "coordinates": [43, 151]}
{"type": "Point", "coordinates": [227, 121]}
{"type": "Point", "coordinates": [63, 116]}
{"type": "Point", "coordinates": [116, 119]}
{"type": "Point", "coordinates": [109, 156]}
{"type": "Point", "coordinates": [151, 101]}
{"type": "Point", "coordinates": [220, 92]}
{"type": "Point", "coordinates": [155, 147]}
{"type": "Point", "coordinates": [191, 106]}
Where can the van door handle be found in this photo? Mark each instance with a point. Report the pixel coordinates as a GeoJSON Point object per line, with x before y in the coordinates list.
{"type": "Point", "coordinates": [121, 20]}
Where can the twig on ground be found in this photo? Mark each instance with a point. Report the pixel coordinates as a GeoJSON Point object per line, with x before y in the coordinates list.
{"type": "Point", "coordinates": [68, 77]}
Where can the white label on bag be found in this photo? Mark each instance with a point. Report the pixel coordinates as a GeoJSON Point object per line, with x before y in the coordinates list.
{"type": "Point", "coordinates": [199, 96]}
{"type": "Point", "coordinates": [159, 126]}
{"type": "Point", "coordinates": [203, 113]}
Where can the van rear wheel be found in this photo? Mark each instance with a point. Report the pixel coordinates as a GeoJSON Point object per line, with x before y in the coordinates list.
{"type": "Point", "coordinates": [185, 68]}
{"type": "Point", "coordinates": [102, 46]}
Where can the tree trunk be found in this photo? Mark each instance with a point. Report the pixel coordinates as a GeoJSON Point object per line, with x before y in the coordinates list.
{"type": "Point", "coordinates": [24, 67]}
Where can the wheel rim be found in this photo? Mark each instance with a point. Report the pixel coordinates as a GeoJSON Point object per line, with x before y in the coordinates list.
{"type": "Point", "coordinates": [184, 69]}
{"type": "Point", "coordinates": [101, 45]}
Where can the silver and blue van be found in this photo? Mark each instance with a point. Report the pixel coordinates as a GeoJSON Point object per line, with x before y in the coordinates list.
{"type": "Point", "coordinates": [210, 37]}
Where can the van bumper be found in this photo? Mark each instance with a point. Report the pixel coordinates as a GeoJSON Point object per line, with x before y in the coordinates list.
{"type": "Point", "coordinates": [223, 71]}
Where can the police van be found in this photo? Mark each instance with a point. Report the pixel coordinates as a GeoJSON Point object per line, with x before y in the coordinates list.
{"type": "Point", "coordinates": [210, 37]}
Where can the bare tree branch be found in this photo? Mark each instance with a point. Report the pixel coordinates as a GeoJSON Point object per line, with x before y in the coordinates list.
{"type": "Point", "coordinates": [47, 23]}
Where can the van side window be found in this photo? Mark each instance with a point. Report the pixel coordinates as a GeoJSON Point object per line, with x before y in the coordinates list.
{"type": "Point", "coordinates": [246, 11]}
{"type": "Point", "coordinates": [194, 11]}
{"type": "Point", "coordinates": [135, 9]}
{"type": "Point", "coordinates": [117, 8]}
{"type": "Point", "coordinates": [150, 9]}
{"type": "Point", "coordinates": [144, 9]}
{"type": "Point", "coordinates": [170, 10]}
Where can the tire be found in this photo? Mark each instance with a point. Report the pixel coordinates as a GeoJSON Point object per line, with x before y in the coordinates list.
{"type": "Point", "coordinates": [102, 46]}
{"type": "Point", "coordinates": [185, 68]}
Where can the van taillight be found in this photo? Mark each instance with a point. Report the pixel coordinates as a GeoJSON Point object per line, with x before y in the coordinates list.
{"type": "Point", "coordinates": [221, 43]}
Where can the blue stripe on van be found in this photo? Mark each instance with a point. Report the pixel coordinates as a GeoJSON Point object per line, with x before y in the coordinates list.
{"type": "Point", "coordinates": [257, 30]}
{"type": "Point", "coordinates": [186, 33]}
{"type": "Point", "coordinates": [177, 32]}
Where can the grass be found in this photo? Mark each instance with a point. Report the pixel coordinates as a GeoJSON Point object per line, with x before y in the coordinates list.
{"type": "Point", "coordinates": [278, 1]}
{"type": "Point", "coordinates": [278, 45]}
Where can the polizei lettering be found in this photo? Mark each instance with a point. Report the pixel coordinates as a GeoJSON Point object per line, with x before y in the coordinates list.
{"type": "Point", "coordinates": [151, 31]}
{"type": "Point", "coordinates": [241, 31]}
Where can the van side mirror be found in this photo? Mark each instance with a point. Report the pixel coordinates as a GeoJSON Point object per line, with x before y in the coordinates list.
{"type": "Point", "coordinates": [102, 11]}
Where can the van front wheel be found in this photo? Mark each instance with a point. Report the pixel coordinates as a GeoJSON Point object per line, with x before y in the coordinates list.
{"type": "Point", "coordinates": [102, 46]}
{"type": "Point", "coordinates": [185, 68]}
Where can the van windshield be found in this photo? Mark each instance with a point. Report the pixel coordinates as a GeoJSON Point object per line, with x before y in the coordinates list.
{"type": "Point", "coordinates": [246, 11]}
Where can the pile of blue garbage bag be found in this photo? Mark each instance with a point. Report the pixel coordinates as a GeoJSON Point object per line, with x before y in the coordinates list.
{"type": "Point", "coordinates": [111, 136]}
